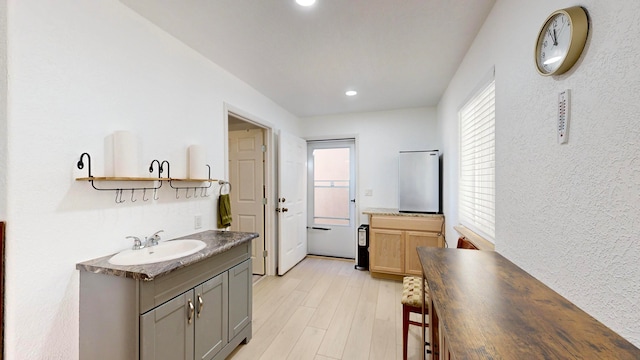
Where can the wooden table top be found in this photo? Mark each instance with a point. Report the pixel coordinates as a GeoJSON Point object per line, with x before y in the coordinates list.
{"type": "Point", "coordinates": [489, 308]}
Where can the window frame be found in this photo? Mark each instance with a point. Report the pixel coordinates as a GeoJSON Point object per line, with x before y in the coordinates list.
{"type": "Point", "coordinates": [476, 165]}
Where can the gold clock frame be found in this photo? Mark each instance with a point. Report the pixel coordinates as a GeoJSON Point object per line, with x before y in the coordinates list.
{"type": "Point", "coordinates": [579, 32]}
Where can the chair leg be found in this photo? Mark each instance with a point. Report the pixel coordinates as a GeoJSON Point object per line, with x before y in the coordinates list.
{"type": "Point", "coordinates": [405, 330]}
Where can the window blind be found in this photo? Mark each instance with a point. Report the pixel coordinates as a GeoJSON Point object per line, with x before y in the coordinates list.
{"type": "Point", "coordinates": [477, 163]}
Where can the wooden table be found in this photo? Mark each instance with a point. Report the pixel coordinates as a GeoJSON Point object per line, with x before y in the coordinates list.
{"type": "Point", "coordinates": [482, 306]}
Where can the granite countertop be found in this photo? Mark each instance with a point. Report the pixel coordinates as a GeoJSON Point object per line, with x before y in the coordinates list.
{"type": "Point", "coordinates": [395, 212]}
{"type": "Point", "coordinates": [217, 243]}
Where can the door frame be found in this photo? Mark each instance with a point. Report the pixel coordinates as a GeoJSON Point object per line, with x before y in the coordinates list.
{"type": "Point", "coordinates": [269, 177]}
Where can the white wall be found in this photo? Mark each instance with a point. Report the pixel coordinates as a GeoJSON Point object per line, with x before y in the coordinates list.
{"type": "Point", "coordinates": [77, 72]}
{"type": "Point", "coordinates": [3, 109]}
{"type": "Point", "coordinates": [380, 136]}
{"type": "Point", "coordinates": [567, 214]}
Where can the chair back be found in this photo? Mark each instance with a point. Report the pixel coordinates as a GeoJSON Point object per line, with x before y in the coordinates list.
{"type": "Point", "coordinates": [463, 243]}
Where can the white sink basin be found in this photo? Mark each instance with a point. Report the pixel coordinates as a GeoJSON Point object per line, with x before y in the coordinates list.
{"type": "Point", "coordinates": [164, 251]}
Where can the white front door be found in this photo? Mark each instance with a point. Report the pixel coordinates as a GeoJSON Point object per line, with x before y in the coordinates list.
{"type": "Point", "coordinates": [246, 173]}
{"type": "Point", "coordinates": [292, 201]}
{"type": "Point", "coordinates": [331, 198]}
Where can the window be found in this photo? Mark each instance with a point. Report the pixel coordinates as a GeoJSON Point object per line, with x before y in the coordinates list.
{"type": "Point", "coordinates": [477, 162]}
{"type": "Point", "coordinates": [331, 171]}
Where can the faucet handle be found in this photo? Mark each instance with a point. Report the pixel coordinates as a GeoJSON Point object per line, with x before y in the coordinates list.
{"type": "Point", "coordinates": [153, 239]}
{"type": "Point", "coordinates": [137, 244]}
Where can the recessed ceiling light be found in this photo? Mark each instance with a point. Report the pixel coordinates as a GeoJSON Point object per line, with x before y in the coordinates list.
{"type": "Point", "coordinates": [305, 2]}
{"type": "Point", "coordinates": [351, 93]}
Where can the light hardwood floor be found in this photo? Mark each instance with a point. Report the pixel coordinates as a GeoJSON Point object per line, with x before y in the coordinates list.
{"type": "Point", "coordinates": [324, 309]}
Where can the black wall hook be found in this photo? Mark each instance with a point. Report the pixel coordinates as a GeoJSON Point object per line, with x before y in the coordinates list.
{"type": "Point", "coordinates": [168, 168]}
{"type": "Point", "coordinates": [159, 167]}
{"type": "Point", "coordinates": [81, 164]}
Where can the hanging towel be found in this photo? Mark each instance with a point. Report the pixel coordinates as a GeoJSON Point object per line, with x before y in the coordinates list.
{"type": "Point", "coordinates": [224, 211]}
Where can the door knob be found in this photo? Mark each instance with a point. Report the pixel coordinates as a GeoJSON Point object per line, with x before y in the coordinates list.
{"type": "Point", "coordinates": [285, 209]}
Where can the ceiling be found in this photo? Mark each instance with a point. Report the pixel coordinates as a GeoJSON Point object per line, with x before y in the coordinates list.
{"type": "Point", "coordinates": [395, 53]}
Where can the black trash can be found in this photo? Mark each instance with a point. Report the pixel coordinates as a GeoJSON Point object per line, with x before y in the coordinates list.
{"type": "Point", "coordinates": [362, 260]}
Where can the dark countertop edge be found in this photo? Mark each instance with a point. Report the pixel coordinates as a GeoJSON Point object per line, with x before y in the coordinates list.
{"type": "Point", "coordinates": [396, 212]}
{"type": "Point", "coordinates": [217, 243]}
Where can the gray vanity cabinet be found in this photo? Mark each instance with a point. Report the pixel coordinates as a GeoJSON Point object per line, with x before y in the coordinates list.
{"type": "Point", "coordinates": [165, 333]}
{"type": "Point", "coordinates": [211, 308]}
{"type": "Point", "coordinates": [201, 311]}
{"type": "Point", "coordinates": [191, 326]}
{"type": "Point", "coordinates": [240, 284]}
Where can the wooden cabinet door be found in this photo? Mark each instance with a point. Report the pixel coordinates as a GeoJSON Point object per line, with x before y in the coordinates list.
{"type": "Point", "coordinates": [413, 239]}
{"type": "Point", "coordinates": [240, 293]}
{"type": "Point", "coordinates": [166, 332]}
{"type": "Point", "coordinates": [211, 317]}
{"type": "Point", "coordinates": [386, 251]}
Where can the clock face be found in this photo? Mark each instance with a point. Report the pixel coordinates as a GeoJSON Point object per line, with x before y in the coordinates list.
{"type": "Point", "coordinates": [553, 43]}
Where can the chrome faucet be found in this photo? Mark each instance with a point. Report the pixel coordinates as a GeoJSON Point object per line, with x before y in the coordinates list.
{"type": "Point", "coordinates": [153, 239]}
{"type": "Point", "coordinates": [137, 244]}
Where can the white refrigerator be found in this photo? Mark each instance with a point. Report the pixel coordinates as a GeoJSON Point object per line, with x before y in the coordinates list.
{"type": "Point", "coordinates": [419, 181]}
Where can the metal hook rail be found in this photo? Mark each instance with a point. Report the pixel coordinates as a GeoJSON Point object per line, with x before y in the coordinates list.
{"type": "Point", "coordinates": [119, 200]}
{"type": "Point", "coordinates": [155, 164]}
{"type": "Point", "coordinates": [177, 187]}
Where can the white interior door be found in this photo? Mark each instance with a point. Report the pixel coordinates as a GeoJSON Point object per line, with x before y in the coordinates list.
{"type": "Point", "coordinates": [292, 201]}
{"type": "Point", "coordinates": [331, 198]}
{"type": "Point", "coordinates": [246, 174]}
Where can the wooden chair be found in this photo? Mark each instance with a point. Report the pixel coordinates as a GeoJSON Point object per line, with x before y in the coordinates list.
{"type": "Point", "coordinates": [412, 298]}
{"type": "Point", "coordinates": [463, 243]}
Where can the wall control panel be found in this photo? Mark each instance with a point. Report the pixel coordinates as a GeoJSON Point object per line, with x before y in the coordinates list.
{"type": "Point", "coordinates": [564, 102]}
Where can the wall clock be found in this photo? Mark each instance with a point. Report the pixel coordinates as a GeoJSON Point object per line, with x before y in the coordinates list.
{"type": "Point", "coordinates": [561, 40]}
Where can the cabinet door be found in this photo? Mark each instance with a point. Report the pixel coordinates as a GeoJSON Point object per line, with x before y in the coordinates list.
{"type": "Point", "coordinates": [386, 251]}
{"type": "Point", "coordinates": [166, 331]}
{"type": "Point", "coordinates": [413, 239]}
{"type": "Point", "coordinates": [211, 318]}
{"type": "Point", "coordinates": [240, 292]}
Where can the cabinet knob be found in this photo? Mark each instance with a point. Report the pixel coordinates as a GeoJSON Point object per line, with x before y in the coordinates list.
{"type": "Point", "coordinates": [191, 311]}
{"type": "Point", "coordinates": [200, 304]}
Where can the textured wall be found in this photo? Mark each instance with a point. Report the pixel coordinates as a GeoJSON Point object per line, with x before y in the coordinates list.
{"type": "Point", "coordinates": [3, 109]}
{"type": "Point", "coordinates": [567, 214]}
{"type": "Point", "coordinates": [79, 71]}
{"type": "Point", "coordinates": [381, 135]}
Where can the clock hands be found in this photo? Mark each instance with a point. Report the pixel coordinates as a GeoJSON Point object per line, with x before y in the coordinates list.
{"type": "Point", "coordinates": [553, 36]}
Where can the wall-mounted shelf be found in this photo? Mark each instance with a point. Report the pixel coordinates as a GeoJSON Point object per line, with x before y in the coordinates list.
{"type": "Point", "coordinates": [157, 181]}
{"type": "Point", "coordinates": [105, 178]}
{"type": "Point", "coordinates": [193, 180]}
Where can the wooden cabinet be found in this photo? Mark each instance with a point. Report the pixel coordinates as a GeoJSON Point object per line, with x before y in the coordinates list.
{"type": "Point", "coordinates": [393, 240]}
{"type": "Point", "coordinates": [202, 311]}
{"type": "Point", "coordinates": [386, 249]}
{"type": "Point", "coordinates": [413, 239]}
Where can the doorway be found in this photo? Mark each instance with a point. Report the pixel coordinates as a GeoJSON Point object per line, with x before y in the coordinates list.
{"type": "Point", "coordinates": [331, 184]}
{"type": "Point", "coordinates": [246, 154]}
